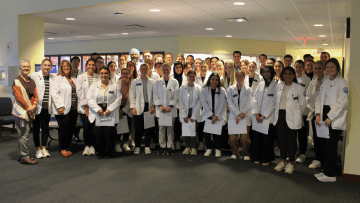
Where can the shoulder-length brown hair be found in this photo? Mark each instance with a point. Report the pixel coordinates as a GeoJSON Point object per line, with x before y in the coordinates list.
{"type": "Point", "coordinates": [60, 71]}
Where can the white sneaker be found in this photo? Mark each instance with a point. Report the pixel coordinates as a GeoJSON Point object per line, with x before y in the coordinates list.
{"type": "Point", "coordinates": [45, 153]}
{"type": "Point", "coordinates": [208, 152]}
{"type": "Point", "coordinates": [186, 151]}
{"type": "Point", "coordinates": [201, 146]}
{"type": "Point", "coordinates": [325, 178]}
{"type": "Point", "coordinates": [277, 152]}
{"type": "Point", "coordinates": [246, 158]}
{"type": "Point", "coordinates": [178, 146]}
{"type": "Point", "coordinates": [289, 169]}
{"type": "Point", "coordinates": [126, 147]}
{"type": "Point", "coordinates": [147, 150]}
{"type": "Point", "coordinates": [300, 159]}
{"type": "Point", "coordinates": [193, 152]}
{"type": "Point", "coordinates": [91, 151]}
{"type": "Point", "coordinates": [233, 156]}
{"type": "Point", "coordinates": [319, 175]}
{"type": "Point", "coordinates": [132, 143]}
{"type": "Point", "coordinates": [217, 153]}
{"type": "Point", "coordinates": [315, 164]}
{"type": "Point", "coordinates": [86, 151]}
{"type": "Point", "coordinates": [137, 150]}
{"type": "Point", "coordinates": [280, 166]}
{"type": "Point", "coordinates": [118, 148]}
{"type": "Point", "coordinates": [39, 154]}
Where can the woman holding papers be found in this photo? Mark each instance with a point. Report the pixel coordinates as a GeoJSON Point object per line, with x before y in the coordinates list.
{"type": "Point", "coordinates": [141, 103]}
{"type": "Point", "coordinates": [213, 100]}
{"type": "Point", "coordinates": [65, 104]}
{"type": "Point", "coordinates": [125, 114]}
{"type": "Point", "coordinates": [239, 98]}
{"type": "Point", "coordinates": [330, 106]}
{"type": "Point", "coordinates": [263, 113]}
{"type": "Point", "coordinates": [104, 99]}
{"type": "Point", "coordinates": [311, 94]}
{"type": "Point", "coordinates": [289, 105]}
{"type": "Point", "coordinates": [84, 81]}
{"type": "Point", "coordinates": [165, 99]}
{"type": "Point", "coordinates": [189, 109]}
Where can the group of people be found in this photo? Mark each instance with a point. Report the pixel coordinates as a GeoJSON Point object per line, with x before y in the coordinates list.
{"type": "Point", "coordinates": [208, 104]}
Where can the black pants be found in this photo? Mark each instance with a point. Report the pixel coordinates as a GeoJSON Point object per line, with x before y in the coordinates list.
{"type": "Point", "coordinates": [317, 142]}
{"type": "Point", "coordinates": [225, 137]}
{"type": "Point", "coordinates": [263, 146]}
{"type": "Point", "coordinates": [139, 129]}
{"type": "Point", "coordinates": [104, 139]}
{"type": "Point", "coordinates": [329, 148]}
{"type": "Point", "coordinates": [177, 128]}
{"type": "Point", "coordinates": [200, 131]}
{"type": "Point", "coordinates": [303, 134]}
{"type": "Point", "coordinates": [67, 127]}
{"type": "Point", "coordinates": [217, 139]}
{"type": "Point", "coordinates": [286, 138]}
{"type": "Point", "coordinates": [88, 128]}
{"type": "Point", "coordinates": [125, 135]}
{"type": "Point", "coordinates": [41, 120]}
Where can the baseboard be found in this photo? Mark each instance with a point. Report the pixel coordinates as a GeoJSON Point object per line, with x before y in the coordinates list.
{"type": "Point", "coordinates": [351, 178]}
{"type": "Point", "coordinates": [8, 129]}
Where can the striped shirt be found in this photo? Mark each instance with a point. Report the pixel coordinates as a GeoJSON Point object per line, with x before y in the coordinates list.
{"type": "Point", "coordinates": [45, 103]}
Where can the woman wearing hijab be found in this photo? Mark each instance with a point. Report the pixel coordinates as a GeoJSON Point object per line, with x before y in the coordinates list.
{"type": "Point", "coordinates": [178, 75]}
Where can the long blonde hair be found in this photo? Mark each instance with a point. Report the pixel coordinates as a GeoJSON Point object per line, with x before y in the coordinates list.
{"type": "Point", "coordinates": [232, 75]}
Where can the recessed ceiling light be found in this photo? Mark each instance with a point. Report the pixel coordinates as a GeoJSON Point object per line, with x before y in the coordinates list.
{"type": "Point", "coordinates": [125, 33]}
{"type": "Point", "coordinates": [322, 35]}
{"type": "Point", "coordinates": [50, 38]}
{"type": "Point", "coordinates": [117, 14]}
{"type": "Point", "coordinates": [154, 10]}
{"type": "Point", "coordinates": [318, 25]}
{"type": "Point", "coordinates": [237, 20]}
{"type": "Point", "coordinates": [70, 18]}
{"type": "Point", "coordinates": [228, 36]}
{"type": "Point", "coordinates": [209, 28]}
{"type": "Point", "coordinates": [325, 44]}
{"type": "Point", "coordinates": [239, 3]}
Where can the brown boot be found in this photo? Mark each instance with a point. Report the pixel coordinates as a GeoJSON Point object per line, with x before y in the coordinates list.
{"type": "Point", "coordinates": [30, 161]}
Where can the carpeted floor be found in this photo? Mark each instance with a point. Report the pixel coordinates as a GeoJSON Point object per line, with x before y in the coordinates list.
{"type": "Point", "coordinates": [152, 178]}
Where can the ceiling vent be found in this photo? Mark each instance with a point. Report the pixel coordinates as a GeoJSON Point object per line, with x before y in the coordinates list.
{"type": "Point", "coordinates": [133, 26]}
{"type": "Point", "coordinates": [49, 33]}
{"type": "Point", "coordinates": [237, 20]}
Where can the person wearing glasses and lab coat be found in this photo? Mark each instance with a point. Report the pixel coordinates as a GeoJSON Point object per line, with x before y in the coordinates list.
{"type": "Point", "coordinates": [330, 106]}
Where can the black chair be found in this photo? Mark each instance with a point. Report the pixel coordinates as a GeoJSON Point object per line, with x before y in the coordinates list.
{"type": "Point", "coordinates": [6, 118]}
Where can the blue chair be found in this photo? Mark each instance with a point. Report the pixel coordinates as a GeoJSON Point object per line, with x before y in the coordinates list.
{"type": "Point", "coordinates": [6, 118]}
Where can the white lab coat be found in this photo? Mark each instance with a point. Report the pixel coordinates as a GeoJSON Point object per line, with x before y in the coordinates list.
{"type": "Point", "coordinates": [295, 105]}
{"type": "Point", "coordinates": [304, 81]}
{"type": "Point", "coordinates": [137, 95]}
{"type": "Point", "coordinates": [82, 88]}
{"type": "Point", "coordinates": [40, 88]}
{"type": "Point", "coordinates": [257, 79]}
{"type": "Point", "coordinates": [199, 81]}
{"type": "Point", "coordinates": [184, 105]}
{"type": "Point", "coordinates": [264, 102]}
{"type": "Point", "coordinates": [114, 78]}
{"type": "Point", "coordinates": [219, 107]}
{"type": "Point", "coordinates": [166, 95]}
{"type": "Point", "coordinates": [245, 102]}
{"type": "Point", "coordinates": [339, 96]}
{"type": "Point", "coordinates": [113, 100]}
{"type": "Point", "coordinates": [61, 94]}
{"type": "Point", "coordinates": [311, 96]}
{"type": "Point", "coordinates": [155, 76]}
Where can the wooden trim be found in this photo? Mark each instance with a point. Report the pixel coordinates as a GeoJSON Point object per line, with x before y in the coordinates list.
{"type": "Point", "coordinates": [351, 178]}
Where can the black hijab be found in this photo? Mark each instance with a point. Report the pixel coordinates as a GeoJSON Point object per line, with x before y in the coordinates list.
{"type": "Point", "coordinates": [178, 77]}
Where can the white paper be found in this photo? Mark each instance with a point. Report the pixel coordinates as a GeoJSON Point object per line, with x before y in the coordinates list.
{"type": "Point", "coordinates": [261, 127]}
{"type": "Point", "coordinates": [149, 120]}
{"type": "Point", "coordinates": [122, 127]}
{"type": "Point", "coordinates": [239, 128]}
{"type": "Point", "coordinates": [105, 121]}
{"type": "Point", "coordinates": [188, 129]}
{"type": "Point", "coordinates": [165, 119]}
{"type": "Point", "coordinates": [213, 128]}
{"type": "Point", "coordinates": [323, 130]}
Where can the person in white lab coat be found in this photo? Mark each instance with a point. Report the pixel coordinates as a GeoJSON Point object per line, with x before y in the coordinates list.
{"type": "Point", "coordinates": [133, 72]}
{"type": "Point", "coordinates": [253, 79]}
{"type": "Point", "coordinates": [165, 99]}
{"type": "Point", "coordinates": [213, 101]}
{"type": "Point", "coordinates": [289, 105]}
{"type": "Point", "coordinates": [112, 67]}
{"type": "Point", "coordinates": [152, 74]}
{"type": "Point", "coordinates": [141, 100]}
{"type": "Point", "coordinates": [264, 109]}
{"type": "Point", "coordinates": [303, 133]}
{"type": "Point", "coordinates": [311, 95]}
{"type": "Point", "coordinates": [64, 106]}
{"type": "Point", "coordinates": [43, 80]}
{"type": "Point", "coordinates": [189, 108]}
{"type": "Point", "coordinates": [330, 106]}
{"type": "Point", "coordinates": [229, 75]}
{"type": "Point", "coordinates": [178, 74]}
{"type": "Point", "coordinates": [84, 81]}
{"type": "Point", "coordinates": [278, 67]}
{"type": "Point", "coordinates": [239, 99]}
{"type": "Point", "coordinates": [104, 99]}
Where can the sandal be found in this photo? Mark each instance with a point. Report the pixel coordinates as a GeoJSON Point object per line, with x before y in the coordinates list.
{"type": "Point", "coordinates": [64, 154]}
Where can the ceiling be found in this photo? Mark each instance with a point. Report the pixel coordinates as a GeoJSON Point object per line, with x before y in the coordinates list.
{"type": "Point", "coordinates": [273, 20]}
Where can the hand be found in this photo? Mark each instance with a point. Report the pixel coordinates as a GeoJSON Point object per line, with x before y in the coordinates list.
{"type": "Point", "coordinates": [86, 107]}
{"type": "Point", "coordinates": [61, 111]}
{"type": "Point", "coordinates": [328, 122]}
{"type": "Point", "coordinates": [101, 113]}
{"type": "Point", "coordinates": [261, 119]}
{"type": "Point", "coordinates": [214, 119]}
{"type": "Point", "coordinates": [162, 108]}
{"type": "Point", "coordinates": [31, 108]}
{"type": "Point", "coordinates": [237, 120]}
{"type": "Point", "coordinates": [186, 119]}
{"type": "Point", "coordinates": [227, 108]}
{"type": "Point", "coordinates": [317, 121]}
{"type": "Point", "coordinates": [241, 115]}
{"type": "Point", "coordinates": [134, 112]}
{"type": "Point", "coordinates": [121, 113]}
{"type": "Point", "coordinates": [168, 109]}
{"type": "Point", "coordinates": [107, 113]}
{"type": "Point", "coordinates": [152, 110]}
{"type": "Point", "coordinates": [192, 120]}
{"type": "Point", "coordinates": [258, 118]}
